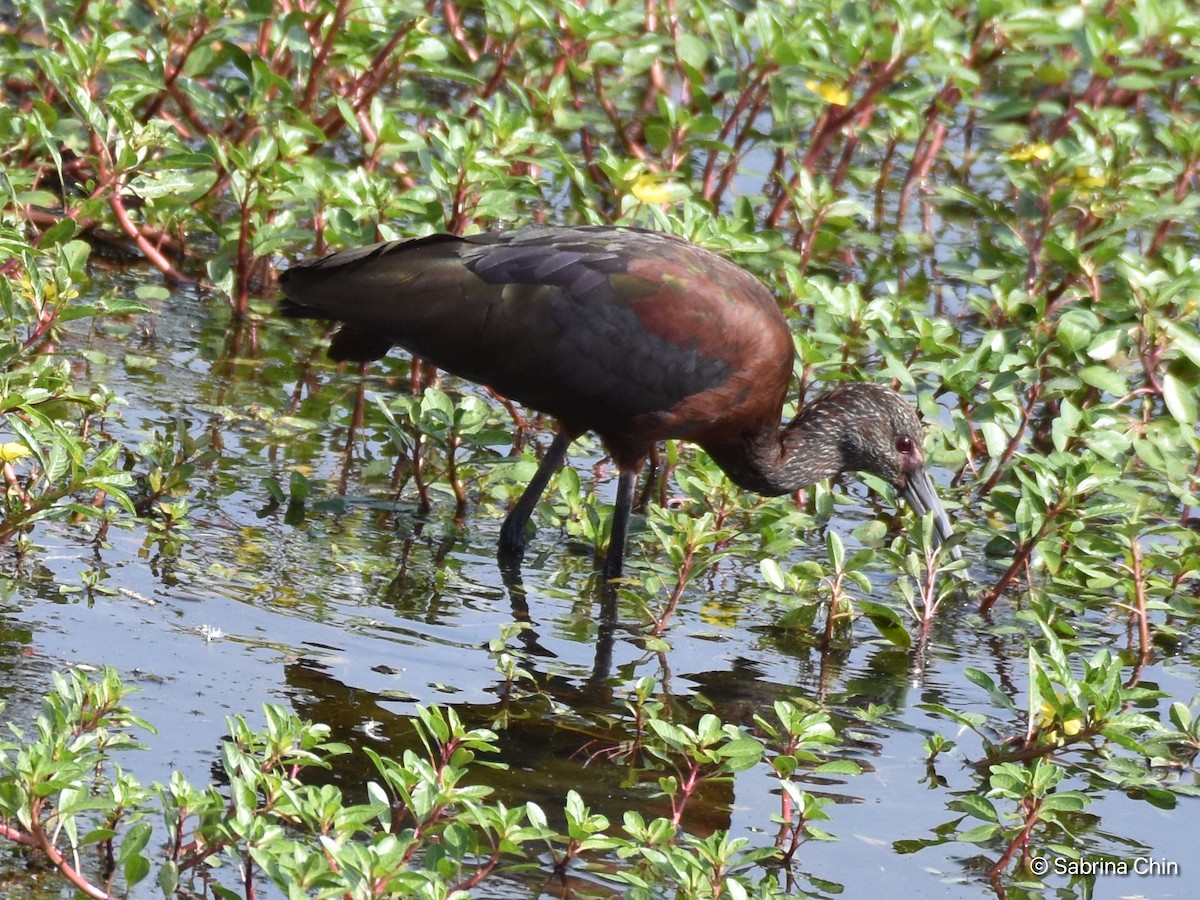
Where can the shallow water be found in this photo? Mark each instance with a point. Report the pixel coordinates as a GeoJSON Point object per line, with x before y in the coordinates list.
{"type": "Point", "coordinates": [361, 608]}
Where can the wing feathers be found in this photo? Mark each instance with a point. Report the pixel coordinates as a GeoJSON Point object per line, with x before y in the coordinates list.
{"type": "Point", "coordinates": [594, 325]}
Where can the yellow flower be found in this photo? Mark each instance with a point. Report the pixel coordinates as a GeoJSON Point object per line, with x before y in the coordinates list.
{"type": "Point", "coordinates": [1026, 152]}
{"type": "Point", "coordinates": [829, 92]}
{"type": "Point", "coordinates": [12, 451]}
{"type": "Point", "coordinates": [1084, 178]}
{"type": "Point", "coordinates": [1046, 715]}
{"type": "Point", "coordinates": [649, 189]}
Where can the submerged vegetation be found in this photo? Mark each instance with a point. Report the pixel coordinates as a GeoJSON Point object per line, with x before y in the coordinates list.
{"type": "Point", "coordinates": [991, 206]}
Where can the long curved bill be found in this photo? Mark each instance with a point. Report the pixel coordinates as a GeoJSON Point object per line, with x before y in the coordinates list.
{"type": "Point", "coordinates": [919, 492]}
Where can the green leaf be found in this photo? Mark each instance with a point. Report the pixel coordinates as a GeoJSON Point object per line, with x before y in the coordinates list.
{"type": "Point", "coordinates": [887, 622]}
{"type": "Point", "coordinates": [1105, 379]}
{"type": "Point", "coordinates": [1180, 385]}
{"type": "Point", "coordinates": [1180, 399]}
{"type": "Point", "coordinates": [1184, 340]}
{"type": "Point", "coordinates": [838, 767]}
{"type": "Point", "coordinates": [136, 869]}
{"type": "Point", "coordinates": [983, 680]}
{"type": "Point", "coordinates": [977, 806]}
{"type": "Point", "coordinates": [772, 574]}
{"type": "Point", "coordinates": [692, 50]}
{"type": "Point", "coordinates": [980, 834]}
{"type": "Point", "coordinates": [1066, 801]}
{"type": "Point", "coordinates": [1180, 716]}
{"type": "Point", "coordinates": [837, 551]}
{"type": "Point", "coordinates": [430, 49]}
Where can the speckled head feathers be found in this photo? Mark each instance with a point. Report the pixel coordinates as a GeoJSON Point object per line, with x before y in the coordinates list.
{"type": "Point", "coordinates": [864, 427]}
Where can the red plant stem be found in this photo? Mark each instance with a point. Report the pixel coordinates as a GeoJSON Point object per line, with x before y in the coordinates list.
{"type": "Point", "coordinates": [831, 121]}
{"type": "Point", "coordinates": [1024, 551]}
{"type": "Point", "coordinates": [171, 75]}
{"type": "Point", "coordinates": [360, 93]}
{"type": "Point", "coordinates": [685, 570]}
{"type": "Point", "coordinates": [322, 55]}
{"type": "Point", "coordinates": [248, 877]}
{"type": "Point", "coordinates": [1031, 397]}
{"type": "Point", "coordinates": [418, 459]}
{"type": "Point", "coordinates": [1139, 605]}
{"type": "Point", "coordinates": [633, 148]}
{"type": "Point", "coordinates": [460, 493]}
{"type": "Point", "coordinates": [1183, 185]}
{"type": "Point", "coordinates": [749, 99]}
{"type": "Point", "coordinates": [687, 787]}
{"type": "Point", "coordinates": [730, 168]}
{"type": "Point", "coordinates": [38, 838]}
{"type": "Point", "coordinates": [44, 325]}
{"type": "Point", "coordinates": [789, 831]}
{"type": "Point", "coordinates": [454, 25]}
{"type": "Point", "coordinates": [1020, 841]}
{"type": "Point", "coordinates": [835, 589]}
{"type": "Point", "coordinates": [501, 69]}
{"type": "Point", "coordinates": [151, 252]}
{"type": "Point", "coordinates": [929, 593]}
{"type": "Point", "coordinates": [108, 181]}
{"type": "Point", "coordinates": [482, 872]}
{"type": "Point", "coordinates": [241, 294]}
{"type": "Point", "coordinates": [927, 150]}
{"type": "Point", "coordinates": [836, 118]}
{"type": "Point", "coordinates": [808, 238]}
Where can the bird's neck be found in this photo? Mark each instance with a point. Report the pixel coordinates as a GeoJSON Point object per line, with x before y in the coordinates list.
{"type": "Point", "coordinates": [782, 460]}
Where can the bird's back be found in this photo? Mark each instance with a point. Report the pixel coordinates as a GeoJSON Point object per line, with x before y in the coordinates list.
{"type": "Point", "coordinates": [634, 334]}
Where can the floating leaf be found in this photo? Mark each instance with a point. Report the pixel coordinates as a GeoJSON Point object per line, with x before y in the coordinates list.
{"type": "Point", "coordinates": [136, 363]}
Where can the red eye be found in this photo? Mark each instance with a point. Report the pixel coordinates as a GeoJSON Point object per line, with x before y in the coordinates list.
{"type": "Point", "coordinates": [904, 444]}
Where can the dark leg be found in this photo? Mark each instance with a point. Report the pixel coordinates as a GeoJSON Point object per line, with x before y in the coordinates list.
{"type": "Point", "coordinates": [652, 472]}
{"type": "Point", "coordinates": [512, 532]}
{"type": "Point", "coordinates": [596, 686]}
{"type": "Point", "coordinates": [620, 523]}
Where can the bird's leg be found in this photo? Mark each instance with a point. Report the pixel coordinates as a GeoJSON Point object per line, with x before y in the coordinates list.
{"type": "Point", "coordinates": [597, 684]}
{"type": "Point", "coordinates": [652, 472]}
{"type": "Point", "coordinates": [512, 532]}
{"type": "Point", "coordinates": [620, 523]}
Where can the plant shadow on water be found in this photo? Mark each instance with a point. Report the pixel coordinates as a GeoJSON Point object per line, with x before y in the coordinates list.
{"type": "Point", "coordinates": [353, 608]}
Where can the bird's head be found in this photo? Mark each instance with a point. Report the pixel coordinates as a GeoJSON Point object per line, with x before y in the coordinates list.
{"type": "Point", "coordinates": [876, 430]}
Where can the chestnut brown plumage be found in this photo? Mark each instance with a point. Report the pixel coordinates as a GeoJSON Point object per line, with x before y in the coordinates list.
{"type": "Point", "coordinates": [635, 335]}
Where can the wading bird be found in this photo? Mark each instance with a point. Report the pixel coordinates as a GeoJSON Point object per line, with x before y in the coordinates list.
{"type": "Point", "coordinates": [635, 335]}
